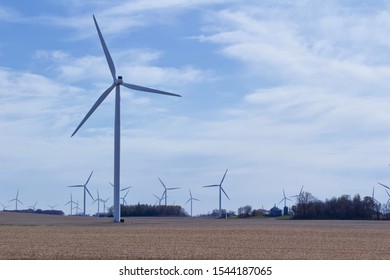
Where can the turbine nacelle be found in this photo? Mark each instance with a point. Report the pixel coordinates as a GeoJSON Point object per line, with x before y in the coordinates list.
{"type": "Point", "coordinates": [119, 81]}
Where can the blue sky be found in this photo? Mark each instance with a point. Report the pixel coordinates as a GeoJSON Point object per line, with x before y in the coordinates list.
{"type": "Point", "coordinates": [281, 93]}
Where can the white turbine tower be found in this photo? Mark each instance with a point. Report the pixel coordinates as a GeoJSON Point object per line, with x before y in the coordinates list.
{"type": "Point", "coordinates": [220, 192]}
{"type": "Point", "coordinates": [117, 82]}
{"type": "Point", "coordinates": [165, 193]}
{"type": "Point", "coordinates": [85, 190]}
{"type": "Point", "coordinates": [16, 199]}
{"type": "Point", "coordinates": [190, 200]}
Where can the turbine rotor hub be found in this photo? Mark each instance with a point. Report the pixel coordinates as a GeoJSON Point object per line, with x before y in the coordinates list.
{"type": "Point", "coordinates": [119, 81]}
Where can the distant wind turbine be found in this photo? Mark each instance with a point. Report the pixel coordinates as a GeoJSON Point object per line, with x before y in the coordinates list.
{"type": "Point", "coordinates": [4, 206]}
{"type": "Point", "coordinates": [71, 204]}
{"type": "Point", "coordinates": [284, 198]}
{"type": "Point", "coordinates": [373, 197]}
{"type": "Point", "coordinates": [299, 196]}
{"type": "Point", "coordinates": [85, 190]}
{"type": "Point", "coordinates": [159, 199]}
{"type": "Point", "coordinates": [165, 193]}
{"type": "Point", "coordinates": [77, 207]}
{"type": "Point", "coordinates": [16, 199]}
{"type": "Point", "coordinates": [220, 192]}
{"type": "Point", "coordinates": [33, 206]}
{"type": "Point", "coordinates": [190, 200]}
{"type": "Point", "coordinates": [124, 202]}
{"type": "Point", "coordinates": [123, 189]}
{"type": "Point", "coordinates": [52, 207]}
{"type": "Point", "coordinates": [104, 204]}
{"type": "Point", "coordinates": [98, 200]}
{"type": "Point", "coordinates": [117, 82]}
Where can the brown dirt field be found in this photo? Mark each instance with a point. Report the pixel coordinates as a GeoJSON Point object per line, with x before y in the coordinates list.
{"type": "Point", "coordinates": [46, 237]}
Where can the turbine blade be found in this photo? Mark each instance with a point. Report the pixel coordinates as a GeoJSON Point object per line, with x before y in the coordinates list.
{"type": "Point", "coordinates": [105, 49]}
{"type": "Point", "coordinates": [162, 183]}
{"type": "Point", "coordinates": [384, 185]}
{"type": "Point", "coordinates": [97, 103]}
{"type": "Point", "coordinates": [88, 192]}
{"type": "Point", "coordinates": [196, 199]}
{"type": "Point", "coordinates": [187, 201]}
{"type": "Point", "coordinates": [76, 186]}
{"type": "Point", "coordinates": [111, 184]}
{"type": "Point", "coordinates": [223, 178]}
{"type": "Point", "coordinates": [145, 89]}
{"type": "Point", "coordinates": [89, 178]}
{"type": "Point", "coordinates": [125, 189]}
{"type": "Point", "coordinates": [301, 190]}
{"type": "Point", "coordinates": [210, 186]}
{"type": "Point", "coordinates": [225, 193]}
{"type": "Point", "coordinates": [172, 189]}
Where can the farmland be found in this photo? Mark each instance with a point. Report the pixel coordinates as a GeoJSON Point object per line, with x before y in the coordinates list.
{"type": "Point", "coordinates": [33, 236]}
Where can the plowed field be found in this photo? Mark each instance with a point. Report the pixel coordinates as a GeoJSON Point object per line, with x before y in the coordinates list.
{"type": "Point", "coordinates": [33, 236]}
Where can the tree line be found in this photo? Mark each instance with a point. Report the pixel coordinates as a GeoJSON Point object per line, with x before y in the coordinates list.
{"type": "Point", "coordinates": [146, 210]}
{"type": "Point", "coordinates": [343, 207]}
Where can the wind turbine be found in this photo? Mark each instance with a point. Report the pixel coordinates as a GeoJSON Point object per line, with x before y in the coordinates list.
{"type": "Point", "coordinates": [52, 207]}
{"type": "Point", "coordinates": [124, 198]}
{"type": "Point", "coordinates": [4, 206]}
{"type": "Point", "coordinates": [71, 204]}
{"type": "Point", "coordinates": [77, 207]}
{"type": "Point", "coordinates": [373, 197]}
{"type": "Point", "coordinates": [284, 198]}
{"type": "Point", "coordinates": [190, 200]}
{"type": "Point", "coordinates": [33, 206]}
{"type": "Point", "coordinates": [98, 199]}
{"type": "Point", "coordinates": [298, 196]}
{"type": "Point", "coordinates": [16, 199]}
{"type": "Point", "coordinates": [123, 189]}
{"type": "Point", "coordinates": [117, 82]}
{"type": "Point", "coordinates": [159, 199]}
{"type": "Point", "coordinates": [85, 190]}
{"type": "Point", "coordinates": [104, 205]}
{"type": "Point", "coordinates": [220, 192]}
{"type": "Point", "coordinates": [165, 193]}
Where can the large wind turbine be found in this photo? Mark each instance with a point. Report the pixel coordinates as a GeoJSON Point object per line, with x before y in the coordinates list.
{"type": "Point", "coordinates": [220, 192]}
{"type": "Point", "coordinates": [117, 82]}
{"type": "Point", "coordinates": [85, 190]}
{"type": "Point", "coordinates": [190, 200]}
{"type": "Point", "coordinates": [165, 193]}
{"type": "Point", "coordinates": [16, 199]}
